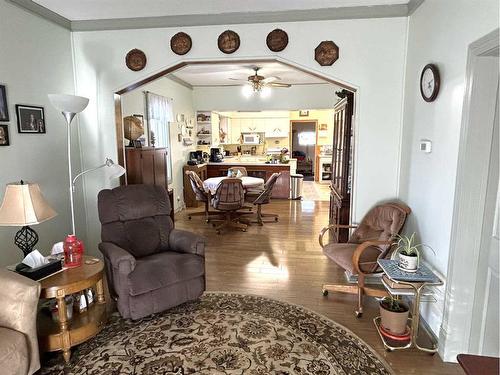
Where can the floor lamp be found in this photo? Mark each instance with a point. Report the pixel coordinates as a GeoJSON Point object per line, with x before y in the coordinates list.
{"type": "Point", "coordinates": [70, 105]}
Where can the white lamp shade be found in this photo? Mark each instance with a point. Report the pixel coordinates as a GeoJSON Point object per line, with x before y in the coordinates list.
{"type": "Point", "coordinates": [115, 171]}
{"type": "Point", "coordinates": [68, 103]}
{"type": "Point", "coordinates": [24, 204]}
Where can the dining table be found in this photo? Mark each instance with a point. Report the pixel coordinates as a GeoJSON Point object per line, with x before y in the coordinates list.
{"type": "Point", "coordinates": [247, 182]}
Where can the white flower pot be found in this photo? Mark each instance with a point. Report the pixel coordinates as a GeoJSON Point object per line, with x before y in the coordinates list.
{"type": "Point", "coordinates": [408, 263]}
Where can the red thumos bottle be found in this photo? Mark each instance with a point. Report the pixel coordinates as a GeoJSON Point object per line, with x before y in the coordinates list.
{"type": "Point", "coordinates": [73, 251]}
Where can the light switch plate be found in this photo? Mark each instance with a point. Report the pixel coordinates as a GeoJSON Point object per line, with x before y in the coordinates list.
{"type": "Point", "coordinates": [425, 146]}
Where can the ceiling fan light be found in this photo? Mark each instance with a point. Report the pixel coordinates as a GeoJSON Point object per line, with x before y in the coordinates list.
{"type": "Point", "coordinates": [247, 91]}
{"type": "Point", "coordinates": [265, 92]}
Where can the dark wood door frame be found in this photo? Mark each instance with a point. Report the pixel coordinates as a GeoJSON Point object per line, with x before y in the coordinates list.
{"type": "Point", "coordinates": [173, 68]}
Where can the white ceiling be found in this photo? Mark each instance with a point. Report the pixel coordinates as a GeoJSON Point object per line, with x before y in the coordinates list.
{"type": "Point", "coordinates": [221, 74]}
{"type": "Point", "coordinates": [79, 10]}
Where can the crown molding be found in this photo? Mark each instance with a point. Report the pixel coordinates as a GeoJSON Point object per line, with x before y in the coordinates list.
{"type": "Point", "coordinates": [376, 11]}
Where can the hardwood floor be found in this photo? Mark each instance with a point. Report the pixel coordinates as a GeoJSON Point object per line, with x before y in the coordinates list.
{"type": "Point", "coordinates": [284, 261]}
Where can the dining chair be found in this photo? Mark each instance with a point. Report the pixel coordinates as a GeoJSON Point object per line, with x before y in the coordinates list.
{"type": "Point", "coordinates": [265, 198]}
{"type": "Point", "coordinates": [202, 195]}
{"type": "Point", "coordinates": [371, 240]}
{"type": "Point", "coordinates": [229, 198]}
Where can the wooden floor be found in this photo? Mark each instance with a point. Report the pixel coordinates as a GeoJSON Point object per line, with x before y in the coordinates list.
{"type": "Point", "coordinates": [284, 261]}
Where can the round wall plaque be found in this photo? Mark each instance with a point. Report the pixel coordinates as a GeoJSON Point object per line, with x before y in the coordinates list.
{"type": "Point", "coordinates": [228, 41]}
{"type": "Point", "coordinates": [277, 40]}
{"type": "Point", "coordinates": [135, 60]}
{"type": "Point", "coordinates": [326, 53]}
{"type": "Point", "coordinates": [181, 43]}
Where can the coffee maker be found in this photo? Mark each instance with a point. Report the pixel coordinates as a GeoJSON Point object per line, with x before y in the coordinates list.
{"type": "Point", "coordinates": [195, 157]}
{"type": "Point", "coordinates": [215, 155]}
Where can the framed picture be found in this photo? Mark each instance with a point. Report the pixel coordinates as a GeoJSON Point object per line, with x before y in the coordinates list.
{"type": "Point", "coordinates": [4, 109]}
{"type": "Point", "coordinates": [30, 119]}
{"type": "Point", "coordinates": [4, 135]}
{"type": "Point", "coordinates": [303, 113]}
{"type": "Point", "coordinates": [323, 127]}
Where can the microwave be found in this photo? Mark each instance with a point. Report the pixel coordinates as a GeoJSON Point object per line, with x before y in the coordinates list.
{"type": "Point", "coordinates": [251, 138]}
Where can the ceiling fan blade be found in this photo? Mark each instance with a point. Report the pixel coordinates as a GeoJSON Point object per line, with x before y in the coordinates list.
{"type": "Point", "coordinates": [279, 84]}
{"type": "Point", "coordinates": [270, 79]}
{"type": "Point", "coordinates": [237, 79]}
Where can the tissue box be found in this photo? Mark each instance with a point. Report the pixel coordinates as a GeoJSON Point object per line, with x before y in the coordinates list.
{"type": "Point", "coordinates": [38, 273]}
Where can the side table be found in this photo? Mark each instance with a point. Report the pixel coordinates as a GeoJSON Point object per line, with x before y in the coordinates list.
{"type": "Point", "coordinates": [53, 336]}
{"type": "Point", "coordinates": [397, 283]}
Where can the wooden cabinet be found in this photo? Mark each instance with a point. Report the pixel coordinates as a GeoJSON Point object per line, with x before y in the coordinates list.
{"type": "Point", "coordinates": [341, 183]}
{"type": "Point", "coordinates": [189, 196]}
{"type": "Point", "coordinates": [148, 165]}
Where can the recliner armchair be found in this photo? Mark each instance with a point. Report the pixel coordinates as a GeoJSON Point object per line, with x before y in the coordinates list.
{"type": "Point", "coordinates": [150, 265]}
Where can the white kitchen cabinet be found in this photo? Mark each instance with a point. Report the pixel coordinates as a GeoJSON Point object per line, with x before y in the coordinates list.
{"type": "Point", "coordinates": [260, 125]}
{"type": "Point", "coordinates": [215, 129]}
{"type": "Point", "coordinates": [277, 128]}
{"type": "Point", "coordinates": [235, 133]}
{"type": "Point", "coordinates": [247, 125]}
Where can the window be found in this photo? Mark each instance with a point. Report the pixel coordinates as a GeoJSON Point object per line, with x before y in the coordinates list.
{"type": "Point", "coordinates": [160, 114]}
{"type": "Point", "coordinates": [307, 138]}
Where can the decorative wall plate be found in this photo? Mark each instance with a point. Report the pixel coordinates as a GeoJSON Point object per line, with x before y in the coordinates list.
{"type": "Point", "coordinates": [181, 43]}
{"type": "Point", "coordinates": [326, 53]}
{"type": "Point", "coordinates": [228, 41]}
{"type": "Point", "coordinates": [277, 40]}
{"type": "Point", "coordinates": [135, 60]}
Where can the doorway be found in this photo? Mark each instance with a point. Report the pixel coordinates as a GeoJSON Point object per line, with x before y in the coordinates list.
{"type": "Point", "coordinates": [470, 322]}
{"type": "Point", "coordinates": [303, 144]}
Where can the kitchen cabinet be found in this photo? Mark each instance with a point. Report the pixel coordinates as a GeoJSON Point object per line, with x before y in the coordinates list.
{"type": "Point", "coordinates": [277, 128]}
{"type": "Point", "coordinates": [247, 125]}
{"type": "Point", "coordinates": [235, 132]}
{"type": "Point", "coordinates": [215, 129]}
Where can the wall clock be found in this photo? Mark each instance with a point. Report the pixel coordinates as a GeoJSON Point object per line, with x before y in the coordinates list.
{"type": "Point", "coordinates": [429, 82]}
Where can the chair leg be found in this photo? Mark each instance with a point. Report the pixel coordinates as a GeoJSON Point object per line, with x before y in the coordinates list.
{"type": "Point", "coordinates": [260, 216]}
{"type": "Point", "coordinates": [361, 292]}
{"type": "Point", "coordinates": [230, 222]}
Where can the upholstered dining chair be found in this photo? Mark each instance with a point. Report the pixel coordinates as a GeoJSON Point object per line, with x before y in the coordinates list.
{"type": "Point", "coordinates": [371, 240]}
{"type": "Point", "coordinates": [202, 195]}
{"type": "Point", "coordinates": [150, 266]}
{"type": "Point", "coordinates": [229, 197]}
{"type": "Point", "coordinates": [232, 172]}
{"type": "Point", "coordinates": [265, 198]}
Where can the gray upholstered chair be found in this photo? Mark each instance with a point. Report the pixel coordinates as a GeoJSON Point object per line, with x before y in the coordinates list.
{"type": "Point", "coordinates": [229, 197]}
{"type": "Point", "coordinates": [265, 198]}
{"type": "Point", "coordinates": [232, 172]}
{"type": "Point", "coordinates": [150, 265]}
{"type": "Point", "coordinates": [202, 195]}
{"type": "Point", "coordinates": [18, 337]}
{"type": "Point", "coordinates": [371, 240]}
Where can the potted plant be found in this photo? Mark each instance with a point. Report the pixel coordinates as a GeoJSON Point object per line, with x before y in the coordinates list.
{"type": "Point", "coordinates": [407, 253]}
{"type": "Point", "coordinates": [394, 316]}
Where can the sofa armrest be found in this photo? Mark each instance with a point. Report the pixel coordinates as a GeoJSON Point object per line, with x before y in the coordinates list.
{"type": "Point", "coordinates": [186, 242]}
{"type": "Point", "coordinates": [19, 296]}
{"type": "Point", "coordinates": [119, 258]}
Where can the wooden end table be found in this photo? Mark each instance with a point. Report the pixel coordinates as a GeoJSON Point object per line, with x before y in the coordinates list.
{"type": "Point", "coordinates": [62, 335]}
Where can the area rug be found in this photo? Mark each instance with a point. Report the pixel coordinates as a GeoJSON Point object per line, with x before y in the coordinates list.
{"type": "Point", "coordinates": [225, 333]}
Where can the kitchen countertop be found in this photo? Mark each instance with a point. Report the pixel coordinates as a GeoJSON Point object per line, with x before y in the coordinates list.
{"type": "Point", "coordinates": [257, 163]}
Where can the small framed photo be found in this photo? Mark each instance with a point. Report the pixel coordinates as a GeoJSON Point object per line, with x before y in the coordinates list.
{"type": "Point", "coordinates": [30, 119]}
{"type": "Point", "coordinates": [323, 127]}
{"type": "Point", "coordinates": [303, 113]}
{"type": "Point", "coordinates": [4, 109]}
{"type": "Point", "coordinates": [4, 135]}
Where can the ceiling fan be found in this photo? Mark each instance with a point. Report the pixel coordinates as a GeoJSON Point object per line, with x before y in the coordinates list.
{"type": "Point", "coordinates": [258, 82]}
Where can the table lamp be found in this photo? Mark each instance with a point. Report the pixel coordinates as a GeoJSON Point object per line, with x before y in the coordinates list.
{"type": "Point", "coordinates": [24, 205]}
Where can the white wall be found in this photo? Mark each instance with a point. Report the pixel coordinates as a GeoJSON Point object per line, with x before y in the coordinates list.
{"type": "Point", "coordinates": [371, 58]}
{"type": "Point", "coordinates": [37, 60]}
{"type": "Point", "coordinates": [439, 33]}
{"type": "Point", "coordinates": [230, 98]}
{"type": "Point", "coordinates": [133, 102]}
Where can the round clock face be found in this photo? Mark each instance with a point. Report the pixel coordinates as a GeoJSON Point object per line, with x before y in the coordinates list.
{"type": "Point", "coordinates": [429, 82]}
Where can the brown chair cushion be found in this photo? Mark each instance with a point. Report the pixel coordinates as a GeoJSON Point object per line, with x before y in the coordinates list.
{"type": "Point", "coordinates": [160, 270]}
{"type": "Point", "coordinates": [229, 195]}
{"type": "Point", "coordinates": [136, 218]}
{"type": "Point", "coordinates": [341, 253]}
{"type": "Point", "coordinates": [380, 223]}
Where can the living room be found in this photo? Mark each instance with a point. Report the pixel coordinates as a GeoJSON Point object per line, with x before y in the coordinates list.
{"type": "Point", "coordinates": [407, 147]}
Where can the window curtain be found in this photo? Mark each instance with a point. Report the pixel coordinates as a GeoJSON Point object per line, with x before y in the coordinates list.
{"type": "Point", "coordinates": [160, 114]}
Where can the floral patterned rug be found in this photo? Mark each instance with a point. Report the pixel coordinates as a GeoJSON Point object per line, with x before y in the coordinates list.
{"type": "Point", "coordinates": [224, 333]}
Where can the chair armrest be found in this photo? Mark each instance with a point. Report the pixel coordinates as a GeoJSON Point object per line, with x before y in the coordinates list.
{"type": "Point", "coordinates": [332, 226]}
{"type": "Point", "coordinates": [183, 241]}
{"type": "Point", "coordinates": [119, 258]}
{"type": "Point", "coordinates": [359, 251]}
{"type": "Point", "coordinates": [19, 296]}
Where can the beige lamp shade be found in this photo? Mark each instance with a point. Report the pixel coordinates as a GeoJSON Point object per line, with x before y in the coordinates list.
{"type": "Point", "coordinates": [24, 204]}
{"type": "Point", "coordinates": [132, 128]}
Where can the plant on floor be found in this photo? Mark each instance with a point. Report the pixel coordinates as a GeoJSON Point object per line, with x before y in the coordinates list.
{"type": "Point", "coordinates": [394, 316]}
{"type": "Point", "coordinates": [408, 252]}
